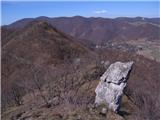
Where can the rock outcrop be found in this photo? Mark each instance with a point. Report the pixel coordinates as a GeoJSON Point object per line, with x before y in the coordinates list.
{"type": "Point", "coordinates": [110, 89]}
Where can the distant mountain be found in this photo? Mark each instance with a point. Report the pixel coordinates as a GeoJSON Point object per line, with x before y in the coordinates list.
{"type": "Point", "coordinates": [101, 30]}
{"type": "Point", "coordinates": [140, 19]}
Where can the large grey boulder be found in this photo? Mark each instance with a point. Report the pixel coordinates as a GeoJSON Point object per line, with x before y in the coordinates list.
{"type": "Point", "coordinates": [110, 89]}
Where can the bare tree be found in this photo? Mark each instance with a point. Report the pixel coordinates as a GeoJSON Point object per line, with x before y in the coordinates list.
{"type": "Point", "coordinates": [16, 94]}
{"type": "Point", "coordinates": [37, 84]}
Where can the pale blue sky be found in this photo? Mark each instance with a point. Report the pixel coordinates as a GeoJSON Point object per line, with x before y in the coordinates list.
{"type": "Point", "coordinates": [12, 11]}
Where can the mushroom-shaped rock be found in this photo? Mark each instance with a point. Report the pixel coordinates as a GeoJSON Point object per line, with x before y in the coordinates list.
{"type": "Point", "coordinates": [110, 89]}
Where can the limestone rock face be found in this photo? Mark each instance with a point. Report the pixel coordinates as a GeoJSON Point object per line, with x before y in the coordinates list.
{"type": "Point", "coordinates": [110, 89]}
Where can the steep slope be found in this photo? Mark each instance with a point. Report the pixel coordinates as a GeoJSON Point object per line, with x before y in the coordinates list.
{"type": "Point", "coordinates": [41, 37]}
{"type": "Point", "coordinates": [142, 84]}
{"type": "Point", "coordinates": [37, 46]}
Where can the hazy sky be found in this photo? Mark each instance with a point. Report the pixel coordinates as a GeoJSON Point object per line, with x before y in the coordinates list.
{"type": "Point", "coordinates": [12, 11]}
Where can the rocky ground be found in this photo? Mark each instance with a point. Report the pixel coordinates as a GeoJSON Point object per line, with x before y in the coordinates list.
{"type": "Point", "coordinates": [69, 112]}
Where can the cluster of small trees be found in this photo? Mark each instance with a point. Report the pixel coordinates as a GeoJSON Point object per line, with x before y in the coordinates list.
{"type": "Point", "coordinates": [62, 83]}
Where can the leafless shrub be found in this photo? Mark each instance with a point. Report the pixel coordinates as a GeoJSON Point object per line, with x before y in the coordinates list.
{"type": "Point", "coordinates": [17, 93]}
